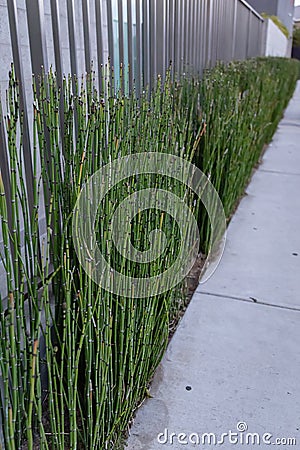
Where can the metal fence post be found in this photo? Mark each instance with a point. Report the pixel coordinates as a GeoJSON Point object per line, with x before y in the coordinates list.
{"type": "Point", "coordinates": [86, 34]}
{"type": "Point", "coordinates": [234, 29]}
{"type": "Point", "coordinates": [15, 43]}
{"type": "Point", "coordinates": [138, 73]}
{"type": "Point", "coordinates": [121, 42]}
{"type": "Point", "coordinates": [172, 31]}
{"type": "Point", "coordinates": [99, 39]}
{"type": "Point", "coordinates": [159, 44]}
{"type": "Point", "coordinates": [72, 42]}
{"type": "Point", "coordinates": [249, 33]}
{"type": "Point", "coordinates": [110, 31]}
{"type": "Point", "coordinates": [129, 39]}
{"type": "Point", "coordinates": [56, 39]}
{"type": "Point", "coordinates": [36, 31]}
{"type": "Point", "coordinates": [146, 43]}
{"type": "Point", "coordinates": [4, 176]}
{"type": "Point", "coordinates": [153, 41]}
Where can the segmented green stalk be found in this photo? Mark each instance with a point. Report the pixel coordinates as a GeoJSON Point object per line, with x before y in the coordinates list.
{"type": "Point", "coordinates": [102, 349]}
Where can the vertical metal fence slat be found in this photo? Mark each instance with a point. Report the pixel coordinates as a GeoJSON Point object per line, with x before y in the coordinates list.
{"type": "Point", "coordinates": [203, 35]}
{"type": "Point", "coordinates": [37, 39]}
{"type": "Point", "coordinates": [248, 34]}
{"type": "Point", "coordinates": [223, 21]}
{"type": "Point", "coordinates": [129, 39]}
{"type": "Point", "coordinates": [99, 39]}
{"type": "Point", "coordinates": [4, 173]}
{"type": "Point", "coordinates": [158, 43]}
{"type": "Point", "coordinates": [86, 34]}
{"type": "Point", "coordinates": [196, 35]}
{"type": "Point", "coordinates": [56, 39]}
{"type": "Point", "coordinates": [72, 41]}
{"type": "Point", "coordinates": [58, 60]}
{"type": "Point", "coordinates": [185, 30]}
{"type": "Point", "coordinates": [217, 29]}
{"type": "Point", "coordinates": [73, 56]}
{"type": "Point", "coordinates": [190, 43]}
{"type": "Point", "coordinates": [181, 18]}
{"type": "Point", "coordinates": [110, 34]}
{"type": "Point", "coordinates": [262, 35]}
{"type": "Point", "coordinates": [176, 62]}
{"type": "Point", "coordinates": [171, 53]}
{"type": "Point", "coordinates": [152, 38]}
{"type": "Point", "coordinates": [165, 41]}
{"type": "Point", "coordinates": [146, 43]}
{"type": "Point", "coordinates": [204, 41]}
{"type": "Point", "coordinates": [167, 34]}
{"type": "Point", "coordinates": [222, 35]}
{"type": "Point", "coordinates": [192, 35]}
{"type": "Point", "coordinates": [200, 38]}
{"type": "Point", "coordinates": [226, 12]}
{"type": "Point", "coordinates": [208, 33]}
{"type": "Point", "coordinates": [15, 43]}
{"type": "Point", "coordinates": [196, 39]}
{"type": "Point", "coordinates": [138, 73]}
{"type": "Point", "coordinates": [121, 42]}
{"type": "Point", "coordinates": [234, 30]}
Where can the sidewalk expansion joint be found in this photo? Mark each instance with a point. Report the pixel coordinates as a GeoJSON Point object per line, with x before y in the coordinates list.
{"type": "Point", "coordinates": [248, 300]}
{"type": "Point", "coordinates": [289, 124]}
{"type": "Point", "coordinates": [280, 172]}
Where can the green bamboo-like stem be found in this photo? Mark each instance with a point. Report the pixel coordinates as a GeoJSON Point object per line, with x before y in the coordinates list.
{"type": "Point", "coordinates": [102, 348]}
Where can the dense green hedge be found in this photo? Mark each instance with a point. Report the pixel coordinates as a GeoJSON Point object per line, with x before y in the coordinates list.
{"type": "Point", "coordinates": [242, 104]}
{"type": "Point", "coordinates": [102, 349]}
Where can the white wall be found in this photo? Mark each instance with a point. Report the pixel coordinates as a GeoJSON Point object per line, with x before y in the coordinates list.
{"type": "Point", "coordinates": [276, 42]}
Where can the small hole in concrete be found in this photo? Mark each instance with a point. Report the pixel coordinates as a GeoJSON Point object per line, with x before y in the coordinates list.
{"type": "Point", "coordinates": [295, 254]}
{"type": "Point", "coordinates": [188, 388]}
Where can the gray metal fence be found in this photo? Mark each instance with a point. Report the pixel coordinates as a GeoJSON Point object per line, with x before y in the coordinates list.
{"type": "Point", "coordinates": [145, 35]}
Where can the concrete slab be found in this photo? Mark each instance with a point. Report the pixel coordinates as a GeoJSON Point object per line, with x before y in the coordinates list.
{"type": "Point", "coordinates": [233, 364]}
{"type": "Point", "coordinates": [239, 360]}
{"type": "Point", "coordinates": [262, 257]}
{"type": "Point", "coordinates": [283, 154]}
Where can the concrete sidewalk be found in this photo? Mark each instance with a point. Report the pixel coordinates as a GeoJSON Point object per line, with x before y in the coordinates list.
{"type": "Point", "coordinates": [234, 362]}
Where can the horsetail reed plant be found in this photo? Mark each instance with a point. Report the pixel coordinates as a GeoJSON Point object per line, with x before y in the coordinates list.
{"type": "Point", "coordinates": [101, 349]}
{"type": "Point", "coordinates": [240, 104]}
